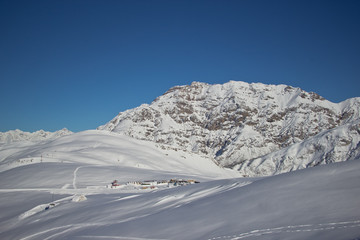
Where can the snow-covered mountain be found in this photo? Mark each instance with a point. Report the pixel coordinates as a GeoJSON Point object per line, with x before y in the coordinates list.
{"type": "Point", "coordinates": [60, 188]}
{"type": "Point", "coordinates": [238, 124]}
{"type": "Point", "coordinates": [335, 145]}
{"type": "Point", "coordinates": [18, 135]}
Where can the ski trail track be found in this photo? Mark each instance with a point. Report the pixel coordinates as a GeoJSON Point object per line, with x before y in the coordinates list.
{"type": "Point", "coordinates": [293, 229]}
{"type": "Point", "coordinates": [42, 207]}
{"type": "Point", "coordinates": [75, 176]}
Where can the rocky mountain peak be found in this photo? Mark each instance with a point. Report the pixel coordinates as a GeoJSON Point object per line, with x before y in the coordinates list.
{"type": "Point", "coordinates": [233, 122]}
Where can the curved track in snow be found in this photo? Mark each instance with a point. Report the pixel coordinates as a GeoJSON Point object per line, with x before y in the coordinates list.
{"type": "Point", "coordinates": [292, 229]}
{"type": "Point", "coordinates": [75, 177]}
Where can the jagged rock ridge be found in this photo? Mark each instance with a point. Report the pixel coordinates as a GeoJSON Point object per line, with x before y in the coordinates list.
{"type": "Point", "coordinates": [235, 122]}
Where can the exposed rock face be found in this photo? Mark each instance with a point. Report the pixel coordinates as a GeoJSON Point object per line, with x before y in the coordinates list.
{"type": "Point", "coordinates": [236, 122]}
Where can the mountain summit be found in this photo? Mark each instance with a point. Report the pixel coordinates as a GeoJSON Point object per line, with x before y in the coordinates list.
{"type": "Point", "coordinates": [238, 124]}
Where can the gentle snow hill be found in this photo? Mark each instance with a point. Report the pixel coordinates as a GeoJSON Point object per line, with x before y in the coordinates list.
{"type": "Point", "coordinates": [235, 122]}
{"type": "Point", "coordinates": [18, 135]}
{"type": "Point", "coordinates": [319, 203]}
{"type": "Point", "coordinates": [102, 148]}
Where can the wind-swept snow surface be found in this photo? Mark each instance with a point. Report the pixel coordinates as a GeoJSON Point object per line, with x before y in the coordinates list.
{"type": "Point", "coordinates": [316, 203]}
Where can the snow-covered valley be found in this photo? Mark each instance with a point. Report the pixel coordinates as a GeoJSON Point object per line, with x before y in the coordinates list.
{"type": "Point", "coordinates": [62, 194]}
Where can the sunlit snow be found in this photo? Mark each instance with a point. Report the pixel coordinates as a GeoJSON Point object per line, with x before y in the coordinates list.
{"type": "Point", "coordinates": [59, 190]}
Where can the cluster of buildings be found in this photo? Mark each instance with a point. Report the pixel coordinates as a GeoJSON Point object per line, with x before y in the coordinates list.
{"type": "Point", "coordinates": [152, 184]}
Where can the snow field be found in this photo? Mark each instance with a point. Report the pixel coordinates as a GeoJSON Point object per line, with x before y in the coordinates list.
{"type": "Point", "coordinates": [317, 203]}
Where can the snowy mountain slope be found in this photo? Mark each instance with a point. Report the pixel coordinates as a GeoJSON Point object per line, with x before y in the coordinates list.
{"type": "Point", "coordinates": [334, 145]}
{"type": "Point", "coordinates": [234, 122]}
{"type": "Point", "coordinates": [18, 135]}
{"type": "Point", "coordinates": [317, 203]}
{"type": "Point", "coordinates": [96, 147]}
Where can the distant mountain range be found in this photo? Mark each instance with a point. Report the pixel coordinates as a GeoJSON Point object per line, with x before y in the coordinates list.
{"type": "Point", "coordinates": [255, 128]}
{"type": "Point", "coordinates": [18, 135]}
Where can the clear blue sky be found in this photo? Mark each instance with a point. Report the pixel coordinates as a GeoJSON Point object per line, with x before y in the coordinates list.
{"type": "Point", "coordinates": [76, 64]}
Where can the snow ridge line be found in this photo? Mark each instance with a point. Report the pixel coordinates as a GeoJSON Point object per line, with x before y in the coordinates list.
{"type": "Point", "coordinates": [293, 229]}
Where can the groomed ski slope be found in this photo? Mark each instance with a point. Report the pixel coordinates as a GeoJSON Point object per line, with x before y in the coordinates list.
{"type": "Point", "coordinates": [316, 203]}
